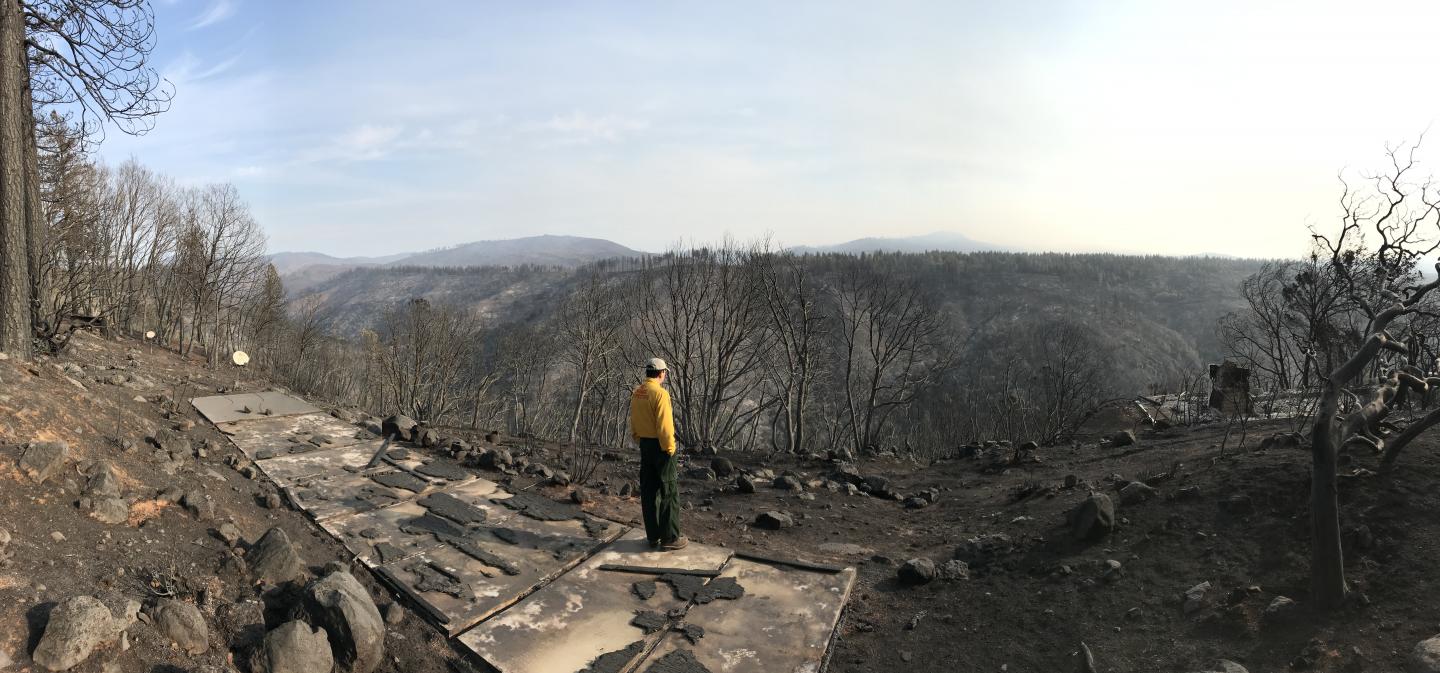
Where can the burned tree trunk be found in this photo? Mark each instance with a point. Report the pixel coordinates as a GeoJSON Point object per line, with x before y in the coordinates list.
{"type": "Point", "coordinates": [15, 120]}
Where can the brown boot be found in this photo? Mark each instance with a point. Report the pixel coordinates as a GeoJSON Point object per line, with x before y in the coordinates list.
{"type": "Point", "coordinates": [677, 543]}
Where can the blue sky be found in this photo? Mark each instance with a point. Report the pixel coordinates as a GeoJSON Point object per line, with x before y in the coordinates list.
{"type": "Point", "coordinates": [367, 128]}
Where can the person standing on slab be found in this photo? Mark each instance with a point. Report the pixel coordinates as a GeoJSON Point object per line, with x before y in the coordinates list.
{"type": "Point", "coordinates": [652, 425]}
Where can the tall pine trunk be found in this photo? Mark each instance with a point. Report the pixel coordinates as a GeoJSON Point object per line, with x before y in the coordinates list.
{"type": "Point", "coordinates": [16, 229]}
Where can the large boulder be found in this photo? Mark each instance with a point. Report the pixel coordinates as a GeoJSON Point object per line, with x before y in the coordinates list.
{"type": "Point", "coordinates": [341, 606]}
{"type": "Point", "coordinates": [273, 559]}
{"type": "Point", "coordinates": [773, 520]}
{"type": "Point", "coordinates": [1093, 518]}
{"type": "Point", "coordinates": [42, 460]}
{"type": "Point", "coordinates": [293, 648]}
{"type": "Point", "coordinates": [400, 425]}
{"type": "Point", "coordinates": [104, 481]}
{"type": "Point", "coordinates": [77, 626]}
{"type": "Point", "coordinates": [1137, 492]}
{"type": "Point", "coordinates": [848, 474]}
{"type": "Point", "coordinates": [1425, 658]}
{"type": "Point", "coordinates": [916, 571]}
{"type": "Point", "coordinates": [722, 467]}
{"type": "Point", "coordinates": [787, 482]}
{"type": "Point", "coordinates": [183, 624]}
{"type": "Point", "coordinates": [1122, 438]}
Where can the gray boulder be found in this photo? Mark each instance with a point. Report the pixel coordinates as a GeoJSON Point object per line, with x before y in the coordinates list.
{"type": "Point", "coordinates": [1093, 518]}
{"type": "Point", "coordinates": [183, 624]}
{"type": "Point", "coordinates": [400, 425]}
{"type": "Point", "coordinates": [113, 511]}
{"type": "Point", "coordinates": [744, 484]}
{"type": "Point", "coordinates": [787, 482]}
{"type": "Point", "coordinates": [722, 467]}
{"type": "Point", "coordinates": [41, 460]}
{"type": "Point", "coordinates": [1122, 438]}
{"type": "Point", "coordinates": [293, 648]}
{"type": "Point", "coordinates": [916, 571]}
{"type": "Point", "coordinates": [1136, 492]}
{"type": "Point", "coordinates": [340, 605]}
{"type": "Point", "coordinates": [1425, 658]}
{"type": "Point", "coordinates": [273, 558]}
{"type": "Point", "coordinates": [773, 520]}
{"type": "Point", "coordinates": [77, 626]}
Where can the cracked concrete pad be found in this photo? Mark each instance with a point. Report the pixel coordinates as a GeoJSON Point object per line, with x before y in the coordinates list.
{"type": "Point", "coordinates": [287, 470]}
{"type": "Point", "coordinates": [783, 623]}
{"type": "Point", "coordinates": [285, 435]}
{"type": "Point", "coordinates": [363, 531]}
{"type": "Point", "coordinates": [230, 408]}
{"type": "Point", "coordinates": [491, 589]}
{"type": "Point", "coordinates": [588, 609]}
{"type": "Point", "coordinates": [343, 493]}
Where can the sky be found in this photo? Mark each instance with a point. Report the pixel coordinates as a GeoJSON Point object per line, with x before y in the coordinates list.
{"type": "Point", "coordinates": [360, 127]}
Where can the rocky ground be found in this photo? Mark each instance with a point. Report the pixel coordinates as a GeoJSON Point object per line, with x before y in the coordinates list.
{"type": "Point", "coordinates": [140, 546]}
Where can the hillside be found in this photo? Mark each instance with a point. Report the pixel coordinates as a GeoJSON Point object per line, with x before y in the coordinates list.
{"type": "Point", "coordinates": [942, 241]}
{"type": "Point", "coordinates": [306, 269]}
{"type": "Point", "coordinates": [1157, 313]}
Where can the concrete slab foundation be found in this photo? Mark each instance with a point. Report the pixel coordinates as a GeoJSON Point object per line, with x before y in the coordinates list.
{"type": "Point", "coordinates": [250, 406]}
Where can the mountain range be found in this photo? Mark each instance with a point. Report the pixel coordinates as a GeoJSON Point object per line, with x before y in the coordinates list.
{"type": "Point", "coordinates": [308, 268]}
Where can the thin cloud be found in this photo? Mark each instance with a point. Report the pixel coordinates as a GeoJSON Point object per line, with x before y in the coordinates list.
{"type": "Point", "coordinates": [217, 12]}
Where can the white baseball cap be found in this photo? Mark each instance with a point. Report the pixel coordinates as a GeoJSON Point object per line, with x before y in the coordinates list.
{"type": "Point", "coordinates": [656, 365]}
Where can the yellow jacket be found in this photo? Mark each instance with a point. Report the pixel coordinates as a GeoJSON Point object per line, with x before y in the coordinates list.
{"type": "Point", "coordinates": [650, 414]}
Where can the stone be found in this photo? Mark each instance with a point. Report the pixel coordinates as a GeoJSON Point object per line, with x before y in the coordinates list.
{"type": "Point", "coordinates": [1093, 518]}
{"type": "Point", "coordinates": [876, 485]}
{"type": "Point", "coordinates": [786, 482]}
{"type": "Point", "coordinates": [953, 570]}
{"type": "Point", "coordinates": [273, 501]}
{"type": "Point", "coordinates": [773, 520]}
{"type": "Point", "coordinates": [229, 533]}
{"type": "Point", "coordinates": [42, 460]}
{"type": "Point", "coordinates": [339, 604]}
{"type": "Point", "coordinates": [1279, 609]}
{"type": "Point", "coordinates": [293, 648]}
{"type": "Point", "coordinates": [700, 474]}
{"type": "Point", "coordinates": [579, 495]}
{"type": "Point", "coordinates": [744, 484]}
{"type": "Point", "coordinates": [1136, 492]}
{"type": "Point", "coordinates": [1071, 481]}
{"type": "Point", "coordinates": [916, 571]}
{"type": "Point", "coordinates": [982, 549]}
{"type": "Point", "coordinates": [198, 505]}
{"type": "Point", "coordinates": [427, 437]}
{"type": "Point", "coordinates": [722, 467]}
{"type": "Point", "coordinates": [77, 626]}
{"type": "Point", "coordinates": [401, 426]}
{"type": "Point", "coordinates": [1226, 666]}
{"type": "Point", "coordinates": [1195, 597]}
{"type": "Point", "coordinates": [496, 459]}
{"type": "Point", "coordinates": [183, 624]}
{"type": "Point", "coordinates": [1122, 438]}
{"type": "Point", "coordinates": [848, 474]}
{"type": "Point", "coordinates": [394, 613]}
{"type": "Point", "coordinates": [104, 481]}
{"type": "Point", "coordinates": [111, 511]}
{"type": "Point", "coordinates": [273, 559]}
{"type": "Point", "coordinates": [916, 502]}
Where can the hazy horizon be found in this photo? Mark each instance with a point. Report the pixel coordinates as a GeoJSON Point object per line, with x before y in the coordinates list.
{"type": "Point", "coordinates": [1127, 128]}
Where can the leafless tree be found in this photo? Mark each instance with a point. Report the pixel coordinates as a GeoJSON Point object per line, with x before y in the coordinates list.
{"type": "Point", "coordinates": [793, 300]}
{"type": "Point", "coordinates": [590, 324]}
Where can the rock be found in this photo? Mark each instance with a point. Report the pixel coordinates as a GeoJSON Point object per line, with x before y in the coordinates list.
{"type": "Point", "coordinates": [916, 502]}
{"type": "Point", "coordinates": [341, 606]}
{"type": "Point", "coordinates": [700, 474]}
{"type": "Point", "coordinates": [786, 482]}
{"type": "Point", "coordinates": [722, 467]}
{"type": "Point", "coordinates": [272, 501]}
{"type": "Point", "coordinates": [1071, 481]}
{"type": "Point", "coordinates": [954, 569]}
{"type": "Point", "coordinates": [495, 459]}
{"type": "Point", "coordinates": [1093, 518]}
{"type": "Point", "coordinates": [1122, 438]}
{"type": "Point", "coordinates": [1195, 597]}
{"type": "Point", "coordinates": [848, 474]}
{"type": "Point", "coordinates": [77, 626]}
{"type": "Point", "coordinates": [229, 533]}
{"type": "Point", "coordinates": [876, 485]}
{"type": "Point", "coordinates": [744, 484]}
{"type": "Point", "coordinates": [1136, 492]}
{"type": "Point", "coordinates": [41, 460]}
{"type": "Point", "coordinates": [198, 505]}
{"type": "Point", "coordinates": [113, 511]}
{"type": "Point", "coordinates": [394, 613]}
{"type": "Point", "coordinates": [773, 520]}
{"type": "Point", "coordinates": [183, 624]}
{"type": "Point", "coordinates": [403, 427]}
{"type": "Point", "coordinates": [172, 442]}
{"type": "Point", "coordinates": [104, 481]}
{"type": "Point", "coordinates": [560, 478]}
{"type": "Point", "coordinates": [579, 495]}
{"type": "Point", "coordinates": [427, 437]}
{"type": "Point", "coordinates": [627, 490]}
{"type": "Point", "coordinates": [293, 648]}
{"type": "Point", "coordinates": [1279, 609]}
{"type": "Point", "coordinates": [982, 549]}
{"type": "Point", "coordinates": [916, 571]}
{"type": "Point", "coordinates": [273, 559]}
{"type": "Point", "coordinates": [1226, 666]}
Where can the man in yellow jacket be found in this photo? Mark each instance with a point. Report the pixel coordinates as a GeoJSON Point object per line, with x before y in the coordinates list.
{"type": "Point", "coordinates": [652, 425]}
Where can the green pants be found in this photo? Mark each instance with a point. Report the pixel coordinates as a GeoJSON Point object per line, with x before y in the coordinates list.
{"type": "Point", "coordinates": [659, 493]}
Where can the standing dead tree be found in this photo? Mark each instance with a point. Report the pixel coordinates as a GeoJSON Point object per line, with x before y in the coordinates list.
{"type": "Point", "coordinates": [589, 325]}
{"type": "Point", "coordinates": [1385, 287]}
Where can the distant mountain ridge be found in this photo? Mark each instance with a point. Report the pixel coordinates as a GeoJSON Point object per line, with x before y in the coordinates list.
{"type": "Point", "coordinates": [305, 269]}
{"type": "Point", "coordinates": [942, 241]}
